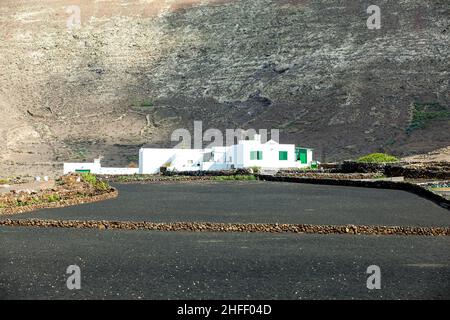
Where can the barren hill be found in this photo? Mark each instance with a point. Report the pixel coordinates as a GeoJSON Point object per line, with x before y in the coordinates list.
{"type": "Point", "coordinates": [138, 69]}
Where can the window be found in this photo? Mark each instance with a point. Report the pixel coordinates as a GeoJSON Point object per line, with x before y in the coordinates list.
{"type": "Point", "coordinates": [256, 155]}
{"type": "Point", "coordinates": [282, 155]}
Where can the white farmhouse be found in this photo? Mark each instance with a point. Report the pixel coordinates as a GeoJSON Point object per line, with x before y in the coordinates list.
{"type": "Point", "coordinates": [245, 154]}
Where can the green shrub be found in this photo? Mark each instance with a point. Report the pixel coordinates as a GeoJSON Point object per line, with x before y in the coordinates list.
{"type": "Point", "coordinates": [53, 198]}
{"type": "Point", "coordinates": [89, 178]}
{"type": "Point", "coordinates": [95, 183]}
{"type": "Point", "coordinates": [102, 185]}
{"type": "Point", "coordinates": [21, 203]}
{"type": "Point", "coordinates": [377, 158]}
{"type": "Point", "coordinates": [314, 165]}
{"type": "Point", "coordinates": [4, 181]}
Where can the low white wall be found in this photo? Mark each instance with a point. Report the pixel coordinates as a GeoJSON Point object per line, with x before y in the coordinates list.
{"type": "Point", "coordinates": [211, 166]}
{"type": "Point", "coordinates": [119, 171]}
{"type": "Point", "coordinates": [96, 168]}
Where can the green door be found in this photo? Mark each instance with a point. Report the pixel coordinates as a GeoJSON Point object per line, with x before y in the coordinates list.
{"type": "Point", "coordinates": [302, 155]}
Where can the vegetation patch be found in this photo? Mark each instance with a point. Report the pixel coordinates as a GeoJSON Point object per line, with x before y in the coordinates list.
{"type": "Point", "coordinates": [377, 158]}
{"type": "Point", "coordinates": [53, 198]}
{"type": "Point", "coordinates": [69, 190]}
{"type": "Point", "coordinates": [89, 178]}
{"type": "Point", "coordinates": [423, 113]}
{"type": "Point", "coordinates": [235, 178]}
{"type": "Point", "coordinates": [92, 180]}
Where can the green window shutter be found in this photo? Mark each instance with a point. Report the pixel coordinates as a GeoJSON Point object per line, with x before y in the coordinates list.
{"type": "Point", "coordinates": [256, 155]}
{"type": "Point", "coordinates": [282, 155]}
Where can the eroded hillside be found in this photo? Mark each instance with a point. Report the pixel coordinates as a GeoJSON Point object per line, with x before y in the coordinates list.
{"type": "Point", "coordinates": [137, 70]}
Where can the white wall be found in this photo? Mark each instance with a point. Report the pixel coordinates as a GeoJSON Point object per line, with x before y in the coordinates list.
{"type": "Point", "coordinates": [309, 156]}
{"type": "Point", "coordinates": [223, 154]}
{"type": "Point", "coordinates": [270, 155]}
{"type": "Point", "coordinates": [151, 160]}
{"type": "Point", "coordinates": [211, 166]}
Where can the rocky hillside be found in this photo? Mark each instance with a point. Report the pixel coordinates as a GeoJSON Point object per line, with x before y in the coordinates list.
{"type": "Point", "coordinates": [138, 69]}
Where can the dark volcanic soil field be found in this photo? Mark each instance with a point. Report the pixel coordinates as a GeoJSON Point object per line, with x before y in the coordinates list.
{"type": "Point", "coordinates": [262, 202]}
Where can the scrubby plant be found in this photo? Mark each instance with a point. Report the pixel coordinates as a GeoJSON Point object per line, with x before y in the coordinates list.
{"type": "Point", "coordinates": [377, 158]}
{"type": "Point", "coordinates": [53, 198]}
{"type": "Point", "coordinates": [95, 183]}
{"type": "Point", "coordinates": [102, 186]}
{"type": "Point", "coordinates": [89, 178]}
{"type": "Point", "coordinates": [21, 203]}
